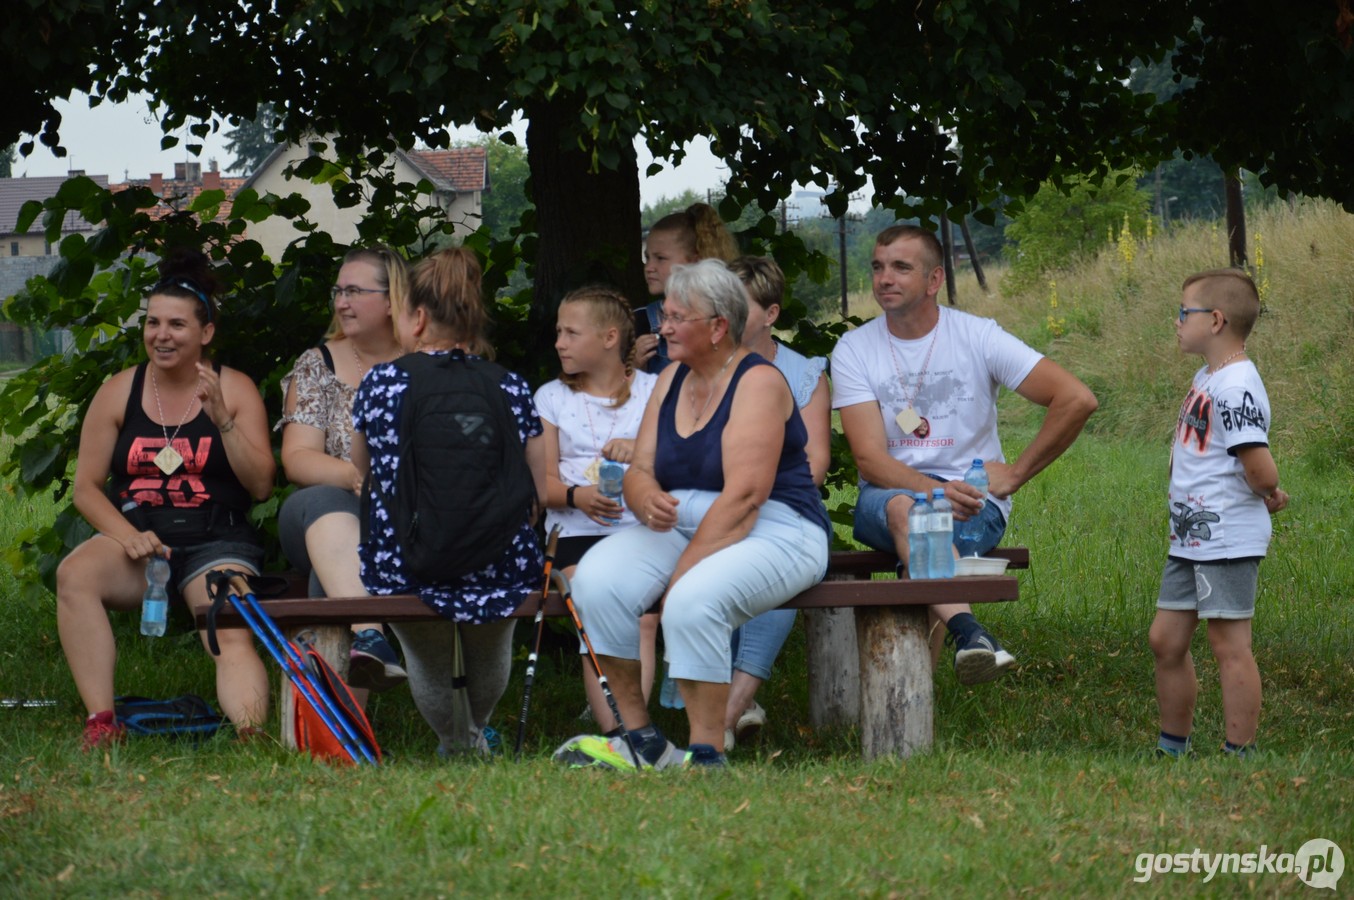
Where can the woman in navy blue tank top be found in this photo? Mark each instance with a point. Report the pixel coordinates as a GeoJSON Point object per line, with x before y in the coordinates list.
{"type": "Point", "coordinates": [732, 523]}
{"type": "Point", "coordinates": [172, 453]}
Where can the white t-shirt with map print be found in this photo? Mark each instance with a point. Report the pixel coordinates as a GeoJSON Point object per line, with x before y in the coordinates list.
{"type": "Point", "coordinates": [1214, 513]}
{"type": "Point", "coordinates": [972, 360]}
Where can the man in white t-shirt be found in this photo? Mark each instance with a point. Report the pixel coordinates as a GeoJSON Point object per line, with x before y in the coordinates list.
{"type": "Point", "coordinates": [917, 391]}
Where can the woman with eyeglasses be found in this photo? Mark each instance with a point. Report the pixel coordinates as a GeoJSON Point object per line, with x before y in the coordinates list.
{"type": "Point", "coordinates": [318, 525]}
{"type": "Point", "coordinates": [173, 452]}
{"type": "Point", "coordinates": [720, 477]}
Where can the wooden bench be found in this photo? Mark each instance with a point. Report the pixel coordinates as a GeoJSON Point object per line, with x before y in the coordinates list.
{"type": "Point", "coordinates": [868, 650]}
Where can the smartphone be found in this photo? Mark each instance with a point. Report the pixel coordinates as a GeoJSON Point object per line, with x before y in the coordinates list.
{"type": "Point", "coordinates": [642, 322]}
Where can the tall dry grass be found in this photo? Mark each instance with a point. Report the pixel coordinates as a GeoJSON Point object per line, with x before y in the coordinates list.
{"type": "Point", "coordinates": [1111, 322]}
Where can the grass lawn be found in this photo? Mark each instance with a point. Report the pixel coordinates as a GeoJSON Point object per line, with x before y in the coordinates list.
{"type": "Point", "coordinates": [1038, 783]}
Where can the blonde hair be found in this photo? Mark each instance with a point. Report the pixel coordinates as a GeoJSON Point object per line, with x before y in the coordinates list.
{"type": "Point", "coordinates": [447, 286]}
{"type": "Point", "coordinates": [607, 308]}
{"type": "Point", "coordinates": [700, 232]}
{"type": "Point", "coordinates": [392, 275]}
{"type": "Point", "coordinates": [764, 280]}
{"type": "Point", "coordinates": [1232, 292]}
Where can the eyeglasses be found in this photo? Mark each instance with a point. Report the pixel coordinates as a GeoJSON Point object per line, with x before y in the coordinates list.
{"type": "Point", "coordinates": [352, 293]}
{"type": "Point", "coordinates": [1186, 310]}
{"type": "Point", "coordinates": [671, 319]}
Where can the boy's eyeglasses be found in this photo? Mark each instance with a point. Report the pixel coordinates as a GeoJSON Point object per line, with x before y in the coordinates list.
{"type": "Point", "coordinates": [1186, 310]}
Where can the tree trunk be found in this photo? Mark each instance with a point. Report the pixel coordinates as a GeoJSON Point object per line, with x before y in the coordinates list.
{"type": "Point", "coordinates": [973, 255]}
{"type": "Point", "coordinates": [834, 666]}
{"type": "Point", "coordinates": [1236, 221]}
{"type": "Point", "coordinates": [947, 245]}
{"type": "Point", "coordinates": [897, 688]}
{"type": "Point", "coordinates": [608, 247]}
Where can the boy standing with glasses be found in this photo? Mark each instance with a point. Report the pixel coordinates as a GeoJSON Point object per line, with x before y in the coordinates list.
{"type": "Point", "coordinates": [1224, 486]}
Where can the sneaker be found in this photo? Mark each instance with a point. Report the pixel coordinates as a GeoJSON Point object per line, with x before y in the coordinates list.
{"type": "Point", "coordinates": [479, 744]}
{"type": "Point", "coordinates": [702, 756]}
{"type": "Point", "coordinates": [102, 730]}
{"type": "Point", "coordinates": [587, 751]}
{"type": "Point", "coordinates": [979, 658]}
{"type": "Point", "coordinates": [372, 663]}
{"type": "Point", "coordinates": [1163, 753]}
{"type": "Point", "coordinates": [750, 724]}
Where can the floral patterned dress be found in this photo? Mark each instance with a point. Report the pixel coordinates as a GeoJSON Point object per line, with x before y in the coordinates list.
{"type": "Point", "coordinates": [482, 596]}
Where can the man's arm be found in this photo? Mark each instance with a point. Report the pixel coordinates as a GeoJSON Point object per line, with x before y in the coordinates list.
{"type": "Point", "coordinates": [863, 425]}
{"type": "Point", "coordinates": [1069, 404]}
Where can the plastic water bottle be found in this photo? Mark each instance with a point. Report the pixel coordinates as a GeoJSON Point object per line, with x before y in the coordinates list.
{"type": "Point", "coordinates": [155, 603]}
{"type": "Point", "coordinates": [670, 696]}
{"type": "Point", "coordinates": [970, 530]}
{"type": "Point", "coordinates": [918, 544]}
{"type": "Point", "coordinates": [610, 483]}
{"type": "Point", "coordinates": [940, 537]}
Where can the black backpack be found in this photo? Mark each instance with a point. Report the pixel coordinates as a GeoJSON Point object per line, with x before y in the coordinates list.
{"type": "Point", "coordinates": [463, 489]}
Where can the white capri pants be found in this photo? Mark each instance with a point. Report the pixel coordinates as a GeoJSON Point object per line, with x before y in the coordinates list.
{"type": "Point", "coordinates": [620, 578]}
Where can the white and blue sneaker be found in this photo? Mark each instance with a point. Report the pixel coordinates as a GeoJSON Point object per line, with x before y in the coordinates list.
{"type": "Point", "coordinates": [979, 657]}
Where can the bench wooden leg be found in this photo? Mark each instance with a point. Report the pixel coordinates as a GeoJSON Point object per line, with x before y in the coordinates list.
{"type": "Point", "coordinates": [896, 686]}
{"type": "Point", "coordinates": [834, 667]}
{"type": "Point", "coordinates": [333, 642]}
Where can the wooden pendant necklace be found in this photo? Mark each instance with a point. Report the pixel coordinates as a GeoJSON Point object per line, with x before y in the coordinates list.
{"type": "Point", "coordinates": [908, 419]}
{"type": "Point", "coordinates": [168, 459]}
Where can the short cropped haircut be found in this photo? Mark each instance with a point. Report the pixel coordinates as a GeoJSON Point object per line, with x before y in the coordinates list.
{"type": "Point", "coordinates": [764, 280]}
{"type": "Point", "coordinates": [710, 284]}
{"type": "Point", "coordinates": [935, 255]}
{"type": "Point", "coordinates": [1232, 292]}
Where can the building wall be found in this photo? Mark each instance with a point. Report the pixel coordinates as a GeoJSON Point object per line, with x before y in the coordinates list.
{"type": "Point", "coordinates": [274, 234]}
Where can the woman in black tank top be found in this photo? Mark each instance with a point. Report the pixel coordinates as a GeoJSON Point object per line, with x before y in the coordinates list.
{"type": "Point", "coordinates": [172, 453]}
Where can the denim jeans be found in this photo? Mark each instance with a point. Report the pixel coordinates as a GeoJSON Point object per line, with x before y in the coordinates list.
{"type": "Point", "coordinates": [872, 529]}
{"type": "Point", "coordinates": [628, 572]}
{"type": "Point", "coordinates": [757, 643]}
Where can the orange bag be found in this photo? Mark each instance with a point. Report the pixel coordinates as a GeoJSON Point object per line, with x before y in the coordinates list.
{"type": "Point", "coordinates": [312, 735]}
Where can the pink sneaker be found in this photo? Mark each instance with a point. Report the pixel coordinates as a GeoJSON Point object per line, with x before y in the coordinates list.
{"type": "Point", "coordinates": [103, 730]}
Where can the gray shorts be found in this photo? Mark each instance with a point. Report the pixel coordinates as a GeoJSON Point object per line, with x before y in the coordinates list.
{"type": "Point", "coordinates": [188, 563]}
{"type": "Point", "coordinates": [1222, 589]}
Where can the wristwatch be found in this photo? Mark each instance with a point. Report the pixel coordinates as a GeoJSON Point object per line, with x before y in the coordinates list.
{"type": "Point", "coordinates": [569, 496]}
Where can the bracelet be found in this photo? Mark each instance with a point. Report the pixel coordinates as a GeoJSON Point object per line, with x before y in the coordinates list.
{"type": "Point", "coordinates": [228, 427]}
{"type": "Point", "coordinates": [569, 496]}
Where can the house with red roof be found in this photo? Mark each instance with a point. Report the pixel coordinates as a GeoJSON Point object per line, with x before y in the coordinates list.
{"type": "Point", "coordinates": [459, 179]}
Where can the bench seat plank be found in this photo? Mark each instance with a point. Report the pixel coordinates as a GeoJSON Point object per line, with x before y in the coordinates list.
{"type": "Point", "coordinates": [824, 595]}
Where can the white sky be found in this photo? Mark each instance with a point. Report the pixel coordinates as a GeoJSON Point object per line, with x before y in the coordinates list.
{"type": "Point", "coordinates": [123, 141]}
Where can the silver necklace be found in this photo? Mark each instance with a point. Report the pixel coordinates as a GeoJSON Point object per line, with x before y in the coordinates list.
{"type": "Point", "coordinates": [168, 459]}
{"type": "Point", "coordinates": [713, 383]}
{"type": "Point", "coordinates": [361, 369]}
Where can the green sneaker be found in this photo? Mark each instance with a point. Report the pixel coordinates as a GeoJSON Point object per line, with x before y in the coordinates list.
{"type": "Point", "coordinates": [597, 751]}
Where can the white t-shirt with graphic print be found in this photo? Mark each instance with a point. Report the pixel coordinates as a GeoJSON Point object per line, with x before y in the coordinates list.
{"type": "Point", "coordinates": [972, 359]}
{"type": "Point", "coordinates": [585, 425]}
{"type": "Point", "coordinates": [1213, 512]}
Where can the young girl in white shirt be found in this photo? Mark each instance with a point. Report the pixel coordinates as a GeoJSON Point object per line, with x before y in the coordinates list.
{"type": "Point", "coordinates": [591, 414]}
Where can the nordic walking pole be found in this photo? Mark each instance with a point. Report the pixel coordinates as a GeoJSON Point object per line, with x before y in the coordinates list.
{"type": "Point", "coordinates": [550, 544]}
{"type": "Point", "coordinates": [297, 671]}
{"type": "Point", "coordinates": [565, 591]}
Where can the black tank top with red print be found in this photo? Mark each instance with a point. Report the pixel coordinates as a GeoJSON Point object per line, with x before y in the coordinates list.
{"type": "Point", "coordinates": [204, 479]}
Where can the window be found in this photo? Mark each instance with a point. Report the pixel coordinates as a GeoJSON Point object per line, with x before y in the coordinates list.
{"type": "Point", "coordinates": [13, 248]}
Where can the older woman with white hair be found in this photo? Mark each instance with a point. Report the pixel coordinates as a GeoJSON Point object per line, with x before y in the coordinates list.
{"type": "Point", "coordinates": [733, 523]}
